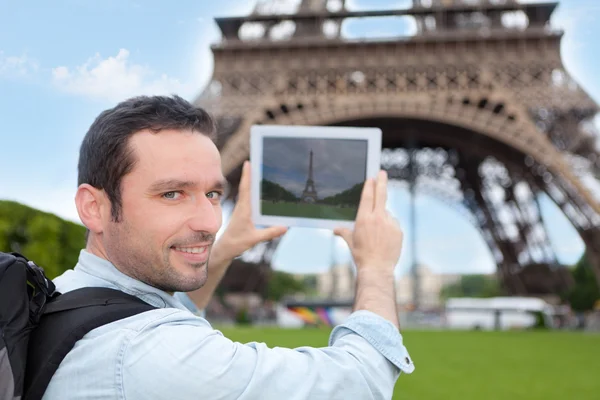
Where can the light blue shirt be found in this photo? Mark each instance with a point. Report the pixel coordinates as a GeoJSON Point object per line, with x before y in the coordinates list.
{"type": "Point", "coordinates": [171, 353]}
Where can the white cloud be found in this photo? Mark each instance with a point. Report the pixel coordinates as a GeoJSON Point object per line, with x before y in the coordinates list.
{"type": "Point", "coordinates": [11, 66]}
{"type": "Point", "coordinates": [116, 78]}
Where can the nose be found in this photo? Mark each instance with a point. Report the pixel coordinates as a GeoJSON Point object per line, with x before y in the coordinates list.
{"type": "Point", "coordinates": [207, 217]}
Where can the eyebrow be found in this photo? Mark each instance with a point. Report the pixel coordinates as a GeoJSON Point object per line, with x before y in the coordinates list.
{"type": "Point", "coordinates": [164, 185]}
{"type": "Point", "coordinates": [221, 184]}
{"type": "Point", "coordinates": [170, 184]}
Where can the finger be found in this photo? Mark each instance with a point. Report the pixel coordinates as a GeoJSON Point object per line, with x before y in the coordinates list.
{"type": "Point", "coordinates": [345, 234]}
{"type": "Point", "coordinates": [271, 233]}
{"type": "Point", "coordinates": [244, 188]}
{"type": "Point", "coordinates": [366, 199]}
{"type": "Point", "coordinates": [381, 191]}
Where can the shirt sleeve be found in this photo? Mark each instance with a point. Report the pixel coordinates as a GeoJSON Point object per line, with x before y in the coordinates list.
{"type": "Point", "coordinates": [184, 359]}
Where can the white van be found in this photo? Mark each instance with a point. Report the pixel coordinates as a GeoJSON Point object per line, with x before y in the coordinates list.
{"type": "Point", "coordinates": [501, 313]}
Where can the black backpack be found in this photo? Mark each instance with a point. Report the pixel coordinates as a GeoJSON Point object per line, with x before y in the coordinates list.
{"type": "Point", "coordinates": [39, 326]}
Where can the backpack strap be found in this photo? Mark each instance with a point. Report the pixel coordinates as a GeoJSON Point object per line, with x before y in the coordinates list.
{"type": "Point", "coordinates": [66, 319]}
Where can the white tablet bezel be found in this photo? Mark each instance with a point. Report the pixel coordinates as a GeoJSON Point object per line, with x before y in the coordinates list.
{"type": "Point", "coordinates": [259, 132]}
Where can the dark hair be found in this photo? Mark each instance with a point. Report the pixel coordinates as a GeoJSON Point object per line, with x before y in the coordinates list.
{"type": "Point", "coordinates": [105, 156]}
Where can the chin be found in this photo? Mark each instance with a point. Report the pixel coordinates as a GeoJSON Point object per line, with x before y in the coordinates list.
{"type": "Point", "coordinates": [194, 277]}
{"type": "Point", "coordinates": [186, 276]}
{"type": "Point", "coordinates": [192, 286]}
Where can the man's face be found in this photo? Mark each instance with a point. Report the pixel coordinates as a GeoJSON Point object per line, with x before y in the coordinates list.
{"type": "Point", "coordinates": [171, 210]}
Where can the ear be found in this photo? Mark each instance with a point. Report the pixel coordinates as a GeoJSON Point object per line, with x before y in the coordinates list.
{"type": "Point", "coordinates": [91, 207]}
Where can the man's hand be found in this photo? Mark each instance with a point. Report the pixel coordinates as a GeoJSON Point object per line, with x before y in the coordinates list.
{"type": "Point", "coordinates": [375, 245]}
{"type": "Point", "coordinates": [376, 241]}
{"type": "Point", "coordinates": [241, 234]}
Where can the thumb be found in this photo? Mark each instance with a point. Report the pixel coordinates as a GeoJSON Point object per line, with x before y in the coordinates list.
{"type": "Point", "coordinates": [271, 232]}
{"type": "Point", "coordinates": [345, 234]}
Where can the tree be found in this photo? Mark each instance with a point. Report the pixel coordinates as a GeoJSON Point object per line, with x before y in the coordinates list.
{"type": "Point", "coordinates": [274, 192]}
{"type": "Point", "coordinates": [51, 242]}
{"type": "Point", "coordinates": [472, 286]}
{"type": "Point", "coordinates": [282, 284]}
{"type": "Point", "coordinates": [585, 292]}
{"type": "Point", "coordinates": [348, 196]}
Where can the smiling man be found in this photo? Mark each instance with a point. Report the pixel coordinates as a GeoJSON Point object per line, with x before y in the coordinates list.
{"type": "Point", "coordinates": [169, 211]}
{"type": "Point", "coordinates": [150, 190]}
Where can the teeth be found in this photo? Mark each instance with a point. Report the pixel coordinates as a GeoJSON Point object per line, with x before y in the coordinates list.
{"type": "Point", "coordinates": [194, 250]}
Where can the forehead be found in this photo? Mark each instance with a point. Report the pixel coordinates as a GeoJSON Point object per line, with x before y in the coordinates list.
{"type": "Point", "coordinates": [175, 154]}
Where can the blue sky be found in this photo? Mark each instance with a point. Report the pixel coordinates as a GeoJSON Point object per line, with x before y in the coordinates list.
{"type": "Point", "coordinates": [63, 62]}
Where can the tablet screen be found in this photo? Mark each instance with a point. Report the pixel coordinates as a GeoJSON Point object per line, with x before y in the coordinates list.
{"type": "Point", "coordinates": [312, 177]}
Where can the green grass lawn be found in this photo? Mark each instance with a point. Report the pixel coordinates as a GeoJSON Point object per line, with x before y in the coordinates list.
{"type": "Point", "coordinates": [308, 210]}
{"type": "Point", "coordinates": [477, 365]}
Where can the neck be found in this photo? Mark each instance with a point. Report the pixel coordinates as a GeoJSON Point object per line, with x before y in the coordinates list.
{"type": "Point", "coordinates": [94, 247]}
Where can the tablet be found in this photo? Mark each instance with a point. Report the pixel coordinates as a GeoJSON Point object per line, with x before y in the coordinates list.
{"type": "Point", "coordinates": [311, 176]}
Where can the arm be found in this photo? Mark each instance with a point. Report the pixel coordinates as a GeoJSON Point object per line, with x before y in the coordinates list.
{"type": "Point", "coordinates": [239, 236]}
{"type": "Point", "coordinates": [186, 359]}
{"type": "Point", "coordinates": [375, 243]}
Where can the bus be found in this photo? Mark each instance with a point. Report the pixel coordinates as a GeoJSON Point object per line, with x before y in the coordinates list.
{"type": "Point", "coordinates": [497, 313]}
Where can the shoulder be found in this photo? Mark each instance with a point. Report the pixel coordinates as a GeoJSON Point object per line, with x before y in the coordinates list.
{"type": "Point", "coordinates": [128, 348]}
{"type": "Point", "coordinates": [148, 321]}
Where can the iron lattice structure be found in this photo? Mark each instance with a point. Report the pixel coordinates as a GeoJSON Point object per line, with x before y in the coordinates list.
{"type": "Point", "coordinates": [475, 105]}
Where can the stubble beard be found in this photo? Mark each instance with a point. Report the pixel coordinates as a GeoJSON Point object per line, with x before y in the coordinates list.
{"type": "Point", "coordinates": [140, 262]}
{"type": "Point", "coordinates": [170, 281]}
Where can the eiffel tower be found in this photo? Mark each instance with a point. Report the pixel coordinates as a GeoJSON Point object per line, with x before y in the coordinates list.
{"type": "Point", "coordinates": [475, 106]}
{"type": "Point", "coordinates": [309, 195]}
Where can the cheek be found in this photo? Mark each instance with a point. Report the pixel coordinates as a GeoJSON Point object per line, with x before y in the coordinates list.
{"type": "Point", "coordinates": [162, 224]}
{"type": "Point", "coordinates": [218, 212]}
{"type": "Point", "coordinates": [152, 223]}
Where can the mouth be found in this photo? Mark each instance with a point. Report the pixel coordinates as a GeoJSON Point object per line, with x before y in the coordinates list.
{"type": "Point", "coordinates": [194, 254]}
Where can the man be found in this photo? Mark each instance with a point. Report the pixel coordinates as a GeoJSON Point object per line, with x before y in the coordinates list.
{"type": "Point", "coordinates": [150, 187]}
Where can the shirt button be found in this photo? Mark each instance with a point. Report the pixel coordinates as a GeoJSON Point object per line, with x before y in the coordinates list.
{"type": "Point", "coordinates": [407, 360]}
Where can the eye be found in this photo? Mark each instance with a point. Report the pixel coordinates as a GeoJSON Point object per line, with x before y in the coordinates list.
{"type": "Point", "coordinates": [171, 195]}
{"type": "Point", "coordinates": [214, 195]}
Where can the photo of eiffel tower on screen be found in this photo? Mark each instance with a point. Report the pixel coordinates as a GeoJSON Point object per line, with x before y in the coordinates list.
{"type": "Point", "coordinates": [309, 195]}
{"type": "Point", "coordinates": [312, 178]}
